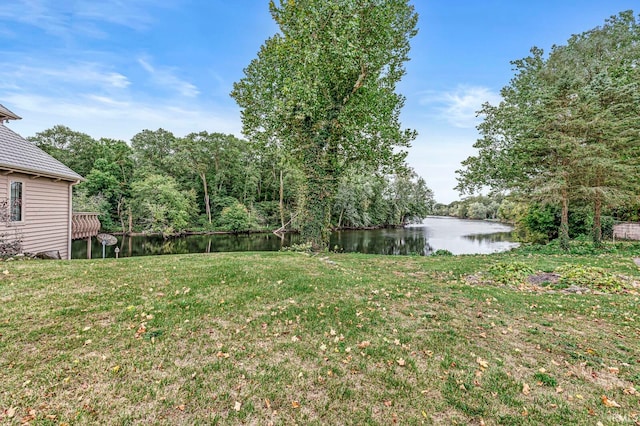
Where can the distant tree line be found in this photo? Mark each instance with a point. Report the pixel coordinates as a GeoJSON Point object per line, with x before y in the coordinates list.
{"type": "Point", "coordinates": [161, 183]}
{"type": "Point", "coordinates": [535, 222]}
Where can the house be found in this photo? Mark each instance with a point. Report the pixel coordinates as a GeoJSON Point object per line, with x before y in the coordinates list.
{"type": "Point", "coordinates": [35, 190]}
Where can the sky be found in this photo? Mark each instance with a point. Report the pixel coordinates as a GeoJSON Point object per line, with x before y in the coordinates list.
{"type": "Point", "coordinates": [112, 68]}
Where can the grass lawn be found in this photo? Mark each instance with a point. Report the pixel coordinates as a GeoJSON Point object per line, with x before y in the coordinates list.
{"type": "Point", "coordinates": [288, 338]}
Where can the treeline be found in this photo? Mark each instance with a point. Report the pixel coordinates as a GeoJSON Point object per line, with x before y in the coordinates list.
{"type": "Point", "coordinates": [537, 222]}
{"type": "Point", "coordinates": [204, 181]}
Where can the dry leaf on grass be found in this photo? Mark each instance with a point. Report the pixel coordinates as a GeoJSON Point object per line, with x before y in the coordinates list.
{"type": "Point", "coordinates": [609, 402]}
{"type": "Point", "coordinates": [525, 389]}
{"type": "Point", "coordinates": [482, 363]}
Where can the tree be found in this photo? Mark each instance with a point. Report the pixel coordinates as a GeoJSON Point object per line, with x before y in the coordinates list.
{"type": "Point", "coordinates": [159, 206]}
{"type": "Point", "coordinates": [201, 154]}
{"type": "Point", "coordinates": [76, 150]}
{"type": "Point", "coordinates": [154, 150]}
{"type": "Point", "coordinates": [566, 129]}
{"type": "Point", "coordinates": [324, 90]}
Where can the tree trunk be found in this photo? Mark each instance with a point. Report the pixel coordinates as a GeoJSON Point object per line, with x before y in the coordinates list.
{"type": "Point", "coordinates": [281, 199]}
{"type": "Point", "coordinates": [564, 221]}
{"type": "Point", "coordinates": [121, 214]}
{"type": "Point", "coordinates": [597, 222]}
{"type": "Point", "coordinates": [316, 225]}
{"type": "Point", "coordinates": [130, 221]}
{"type": "Point", "coordinates": [207, 204]}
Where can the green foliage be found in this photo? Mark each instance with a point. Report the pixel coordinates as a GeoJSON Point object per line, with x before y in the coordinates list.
{"type": "Point", "coordinates": [510, 273]}
{"type": "Point", "coordinates": [160, 207]}
{"type": "Point", "coordinates": [477, 207]}
{"type": "Point", "coordinates": [590, 277]}
{"type": "Point", "coordinates": [566, 129]}
{"type": "Point", "coordinates": [76, 150]}
{"type": "Point", "coordinates": [442, 252]}
{"type": "Point", "coordinates": [546, 379]}
{"type": "Point", "coordinates": [301, 248]}
{"type": "Point", "coordinates": [539, 224]}
{"type": "Point", "coordinates": [323, 89]}
{"type": "Point", "coordinates": [235, 218]}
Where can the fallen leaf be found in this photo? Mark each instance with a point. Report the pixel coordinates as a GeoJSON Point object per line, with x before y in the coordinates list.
{"type": "Point", "coordinates": [267, 403]}
{"type": "Point", "coordinates": [630, 391]}
{"type": "Point", "coordinates": [559, 390]}
{"type": "Point", "coordinates": [181, 407]}
{"type": "Point", "coordinates": [5, 272]}
{"type": "Point", "coordinates": [401, 362]}
{"type": "Point", "coordinates": [525, 389]}
{"type": "Point", "coordinates": [609, 402]}
{"type": "Point", "coordinates": [295, 404]}
{"type": "Point", "coordinates": [483, 363]}
{"type": "Point", "coordinates": [364, 344]}
{"type": "Point", "coordinates": [237, 406]}
{"type": "Point", "coordinates": [11, 412]}
{"type": "Point", "coordinates": [388, 403]}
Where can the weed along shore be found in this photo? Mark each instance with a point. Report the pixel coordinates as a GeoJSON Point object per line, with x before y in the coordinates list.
{"type": "Point", "coordinates": [290, 338]}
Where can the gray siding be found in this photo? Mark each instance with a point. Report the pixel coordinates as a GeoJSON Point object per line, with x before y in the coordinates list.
{"type": "Point", "coordinates": [46, 214]}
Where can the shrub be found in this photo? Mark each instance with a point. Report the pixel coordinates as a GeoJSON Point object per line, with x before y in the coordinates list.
{"type": "Point", "coordinates": [235, 218]}
{"type": "Point", "coordinates": [510, 273]}
{"type": "Point", "coordinates": [590, 277]}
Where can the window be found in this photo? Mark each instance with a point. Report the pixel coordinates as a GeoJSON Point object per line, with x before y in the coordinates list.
{"type": "Point", "coordinates": [15, 202]}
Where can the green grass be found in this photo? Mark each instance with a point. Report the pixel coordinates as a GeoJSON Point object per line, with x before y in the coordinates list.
{"type": "Point", "coordinates": [284, 338]}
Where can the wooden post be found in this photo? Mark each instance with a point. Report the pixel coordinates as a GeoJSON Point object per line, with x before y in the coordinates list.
{"type": "Point", "coordinates": [89, 248]}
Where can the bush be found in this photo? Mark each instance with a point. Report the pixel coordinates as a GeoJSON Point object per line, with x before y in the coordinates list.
{"type": "Point", "coordinates": [442, 252]}
{"type": "Point", "coordinates": [235, 218]}
{"type": "Point", "coordinates": [590, 277]}
{"type": "Point", "coordinates": [510, 273]}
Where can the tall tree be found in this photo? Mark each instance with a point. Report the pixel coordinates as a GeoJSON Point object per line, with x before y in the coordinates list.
{"type": "Point", "coordinates": [323, 88]}
{"type": "Point", "coordinates": [154, 151]}
{"type": "Point", "coordinates": [566, 129]}
{"type": "Point", "coordinates": [76, 150]}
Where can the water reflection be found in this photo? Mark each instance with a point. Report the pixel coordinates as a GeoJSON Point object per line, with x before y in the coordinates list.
{"type": "Point", "coordinates": [456, 235]}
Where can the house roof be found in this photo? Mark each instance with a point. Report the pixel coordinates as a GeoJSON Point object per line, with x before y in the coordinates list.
{"type": "Point", "coordinates": [6, 115]}
{"type": "Point", "coordinates": [19, 155]}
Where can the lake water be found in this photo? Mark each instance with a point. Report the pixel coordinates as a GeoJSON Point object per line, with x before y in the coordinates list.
{"type": "Point", "coordinates": [459, 236]}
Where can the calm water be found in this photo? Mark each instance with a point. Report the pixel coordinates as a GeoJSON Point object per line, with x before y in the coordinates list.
{"type": "Point", "coordinates": [456, 235]}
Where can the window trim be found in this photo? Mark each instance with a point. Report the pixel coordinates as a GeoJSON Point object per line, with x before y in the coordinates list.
{"type": "Point", "coordinates": [22, 202]}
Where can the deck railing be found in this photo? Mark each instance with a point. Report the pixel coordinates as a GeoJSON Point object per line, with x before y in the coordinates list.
{"type": "Point", "coordinates": [84, 225]}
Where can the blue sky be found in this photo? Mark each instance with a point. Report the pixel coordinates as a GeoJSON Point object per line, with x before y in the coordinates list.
{"type": "Point", "coordinates": [112, 68]}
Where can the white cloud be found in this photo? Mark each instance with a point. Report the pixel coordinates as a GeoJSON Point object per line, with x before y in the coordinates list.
{"type": "Point", "coordinates": [166, 78]}
{"type": "Point", "coordinates": [64, 18]}
{"type": "Point", "coordinates": [53, 75]}
{"type": "Point", "coordinates": [459, 107]}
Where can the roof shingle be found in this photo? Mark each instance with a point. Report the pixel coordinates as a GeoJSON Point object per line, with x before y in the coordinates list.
{"type": "Point", "coordinates": [18, 154]}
